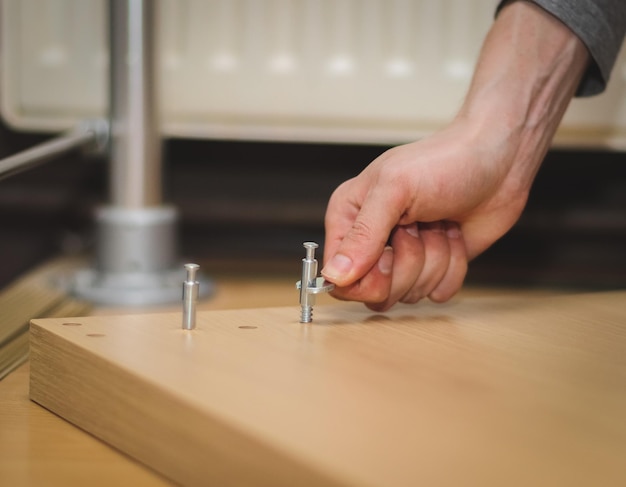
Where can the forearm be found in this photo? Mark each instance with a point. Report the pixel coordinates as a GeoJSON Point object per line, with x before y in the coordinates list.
{"type": "Point", "coordinates": [446, 198]}
{"type": "Point", "coordinates": [528, 71]}
{"type": "Point", "coordinates": [601, 26]}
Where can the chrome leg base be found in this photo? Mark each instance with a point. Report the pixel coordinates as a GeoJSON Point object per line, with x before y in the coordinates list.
{"type": "Point", "coordinates": [135, 289]}
{"type": "Point", "coordinates": [136, 260]}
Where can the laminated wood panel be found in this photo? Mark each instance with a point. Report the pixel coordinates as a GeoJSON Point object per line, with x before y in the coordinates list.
{"type": "Point", "coordinates": [482, 391]}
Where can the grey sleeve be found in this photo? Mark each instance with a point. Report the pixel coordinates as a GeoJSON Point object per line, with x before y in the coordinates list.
{"type": "Point", "coordinates": [600, 25]}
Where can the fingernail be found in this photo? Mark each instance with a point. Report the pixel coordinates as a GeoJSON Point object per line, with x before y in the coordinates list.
{"type": "Point", "coordinates": [453, 231]}
{"type": "Point", "coordinates": [337, 267]}
{"type": "Point", "coordinates": [412, 230]}
{"type": "Point", "coordinates": [385, 263]}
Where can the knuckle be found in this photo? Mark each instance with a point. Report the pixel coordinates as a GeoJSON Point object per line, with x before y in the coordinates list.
{"type": "Point", "coordinates": [342, 188]}
{"type": "Point", "coordinates": [413, 296]}
{"type": "Point", "coordinates": [441, 296]}
{"type": "Point", "coordinates": [373, 290]}
{"type": "Point", "coordinates": [377, 296]}
{"type": "Point", "coordinates": [360, 231]}
{"type": "Point", "coordinates": [380, 307]}
{"type": "Point", "coordinates": [412, 299]}
{"type": "Point", "coordinates": [373, 294]}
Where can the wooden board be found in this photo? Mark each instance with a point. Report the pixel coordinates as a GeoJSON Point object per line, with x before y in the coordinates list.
{"type": "Point", "coordinates": [35, 294]}
{"type": "Point", "coordinates": [38, 448]}
{"type": "Point", "coordinates": [477, 392]}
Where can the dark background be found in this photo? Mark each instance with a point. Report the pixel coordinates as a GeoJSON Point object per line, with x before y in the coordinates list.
{"type": "Point", "coordinates": [254, 200]}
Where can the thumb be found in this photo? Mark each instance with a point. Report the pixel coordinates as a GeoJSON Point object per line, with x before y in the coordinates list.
{"type": "Point", "coordinates": [363, 242]}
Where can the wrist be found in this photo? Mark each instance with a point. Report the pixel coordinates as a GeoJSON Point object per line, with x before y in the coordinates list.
{"type": "Point", "coordinates": [528, 71]}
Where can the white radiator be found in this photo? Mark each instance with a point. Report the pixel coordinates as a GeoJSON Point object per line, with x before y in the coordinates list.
{"type": "Point", "coordinates": [382, 71]}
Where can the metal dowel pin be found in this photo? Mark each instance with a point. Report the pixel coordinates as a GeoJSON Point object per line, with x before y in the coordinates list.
{"type": "Point", "coordinates": [310, 284]}
{"type": "Point", "coordinates": [190, 296]}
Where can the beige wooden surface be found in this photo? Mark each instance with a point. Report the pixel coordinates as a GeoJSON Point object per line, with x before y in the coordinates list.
{"type": "Point", "coordinates": [32, 295]}
{"type": "Point", "coordinates": [39, 448]}
{"type": "Point", "coordinates": [482, 391]}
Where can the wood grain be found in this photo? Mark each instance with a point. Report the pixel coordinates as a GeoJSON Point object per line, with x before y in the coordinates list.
{"type": "Point", "coordinates": [478, 392]}
{"type": "Point", "coordinates": [32, 295]}
{"type": "Point", "coordinates": [40, 449]}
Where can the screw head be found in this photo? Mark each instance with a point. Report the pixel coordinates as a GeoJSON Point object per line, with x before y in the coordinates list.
{"type": "Point", "coordinates": [310, 249]}
{"type": "Point", "coordinates": [191, 271]}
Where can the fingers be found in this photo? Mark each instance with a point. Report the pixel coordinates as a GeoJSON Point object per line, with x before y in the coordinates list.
{"type": "Point", "coordinates": [407, 265]}
{"type": "Point", "coordinates": [374, 287]}
{"type": "Point", "coordinates": [457, 266]}
{"type": "Point", "coordinates": [436, 259]}
{"type": "Point", "coordinates": [445, 263]}
{"type": "Point", "coordinates": [356, 234]}
{"type": "Point", "coordinates": [424, 260]}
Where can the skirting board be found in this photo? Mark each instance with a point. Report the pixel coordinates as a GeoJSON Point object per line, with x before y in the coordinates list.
{"type": "Point", "coordinates": [480, 391]}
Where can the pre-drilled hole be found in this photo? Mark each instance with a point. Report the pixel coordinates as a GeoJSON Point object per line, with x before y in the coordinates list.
{"type": "Point", "coordinates": [248, 327]}
{"type": "Point", "coordinates": [72, 323]}
{"type": "Point", "coordinates": [96, 335]}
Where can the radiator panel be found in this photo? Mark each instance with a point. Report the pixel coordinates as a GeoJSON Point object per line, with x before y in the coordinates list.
{"type": "Point", "coordinates": [316, 70]}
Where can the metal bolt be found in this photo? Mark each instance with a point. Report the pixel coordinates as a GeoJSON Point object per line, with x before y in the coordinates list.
{"type": "Point", "coordinates": [310, 249]}
{"type": "Point", "coordinates": [310, 284]}
{"type": "Point", "coordinates": [190, 296]}
{"type": "Point", "coordinates": [191, 269]}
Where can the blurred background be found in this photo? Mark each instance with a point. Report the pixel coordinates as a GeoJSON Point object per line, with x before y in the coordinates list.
{"type": "Point", "coordinates": [267, 106]}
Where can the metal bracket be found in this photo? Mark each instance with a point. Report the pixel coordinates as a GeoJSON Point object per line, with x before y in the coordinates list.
{"type": "Point", "coordinates": [321, 286]}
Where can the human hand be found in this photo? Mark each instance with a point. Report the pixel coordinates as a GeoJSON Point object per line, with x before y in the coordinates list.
{"type": "Point", "coordinates": [406, 227]}
{"type": "Point", "coordinates": [438, 202]}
